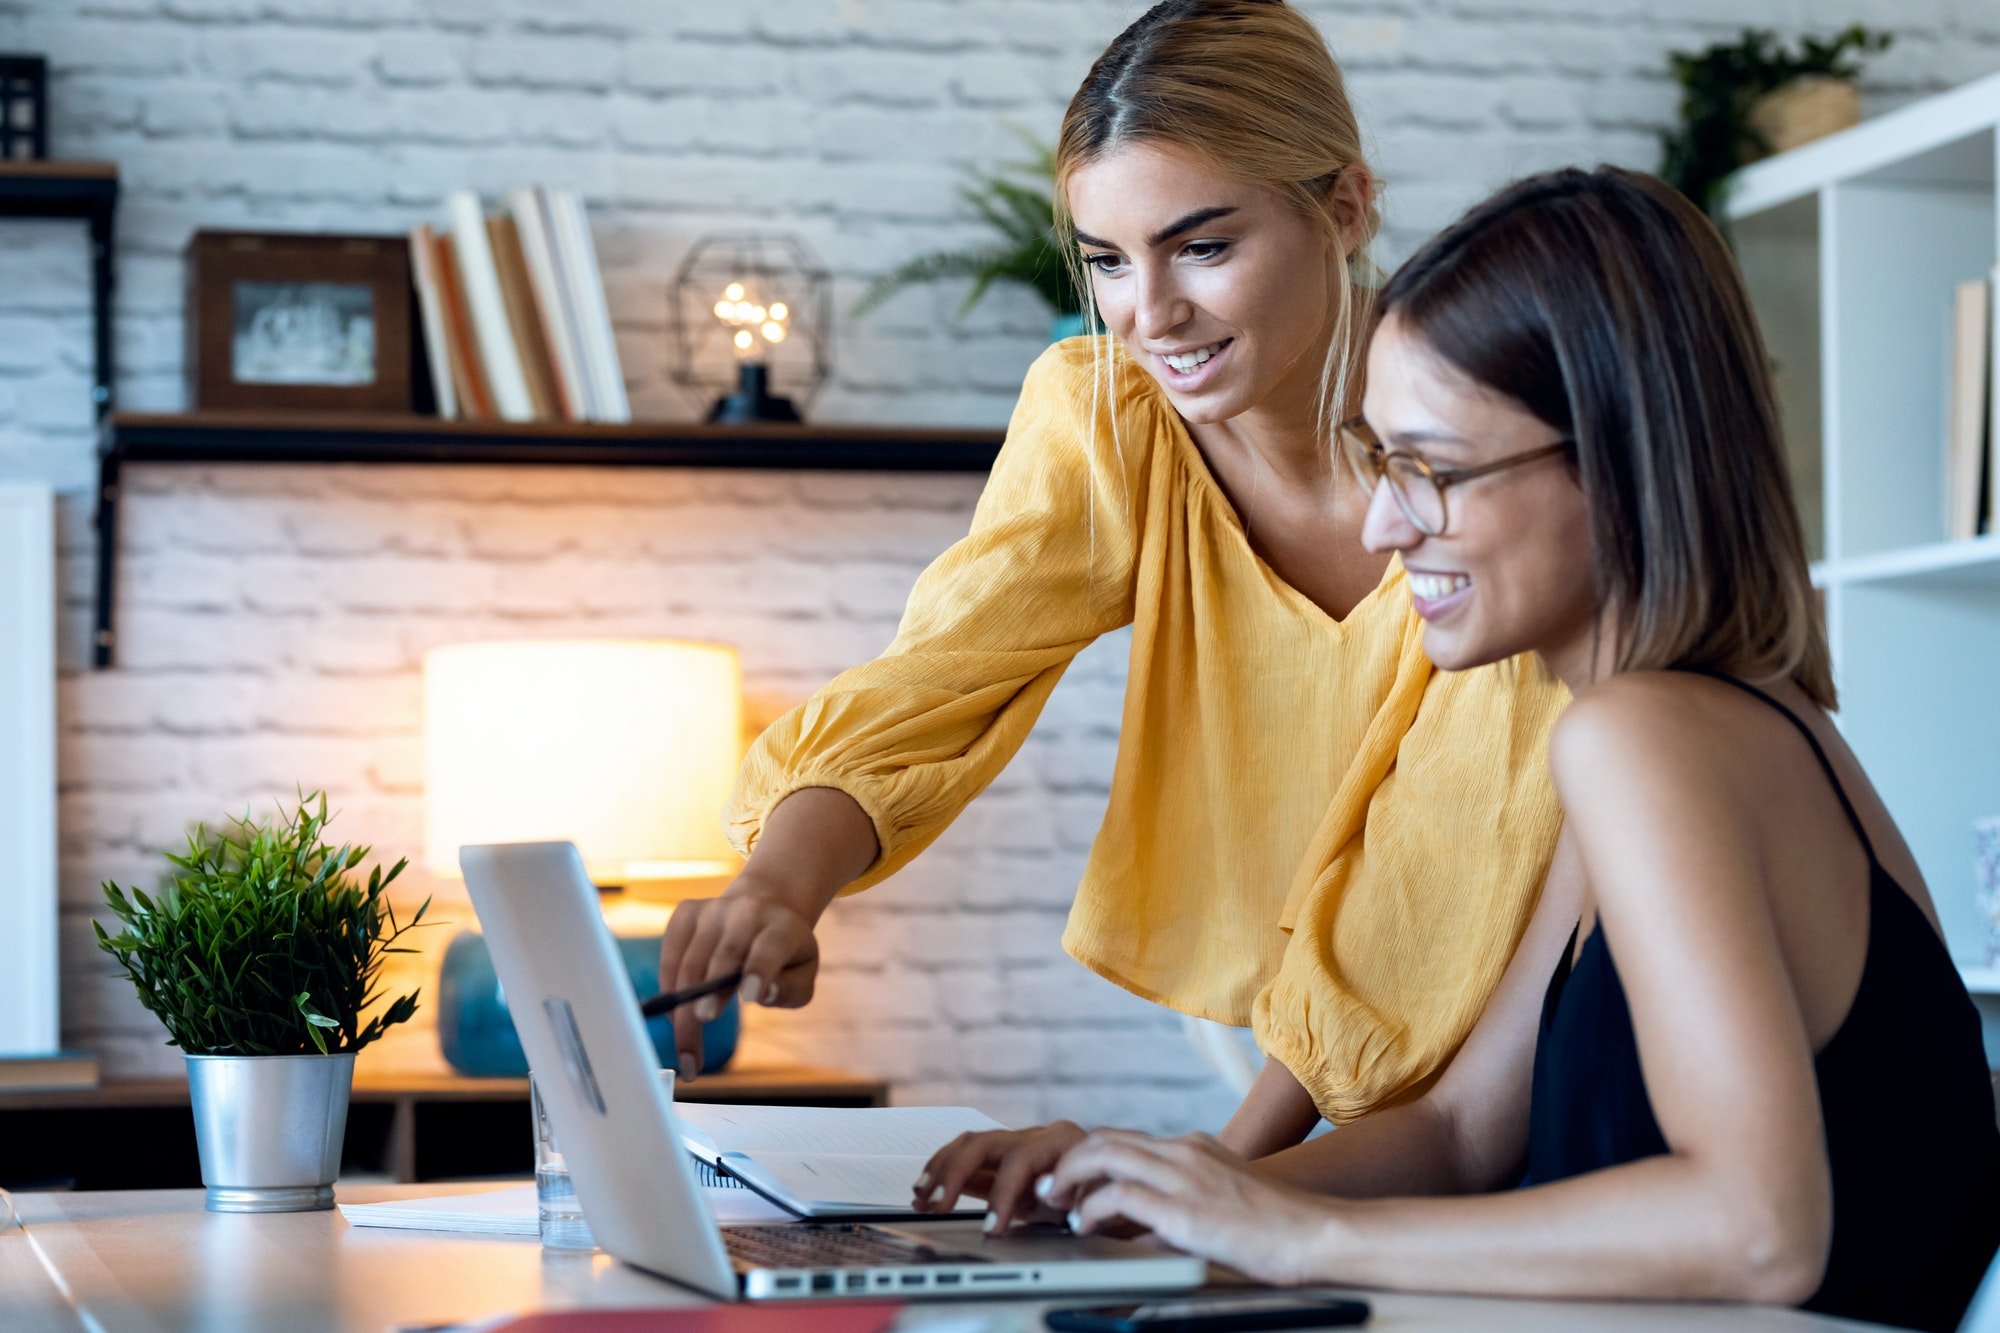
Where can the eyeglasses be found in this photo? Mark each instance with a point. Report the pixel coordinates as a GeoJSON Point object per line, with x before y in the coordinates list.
{"type": "Point", "coordinates": [1417, 486]}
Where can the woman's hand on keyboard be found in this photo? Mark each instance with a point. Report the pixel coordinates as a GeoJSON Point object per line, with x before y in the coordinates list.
{"type": "Point", "coordinates": [999, 1166]}
{"type": "Point", "coordinates": [1197, 1196]}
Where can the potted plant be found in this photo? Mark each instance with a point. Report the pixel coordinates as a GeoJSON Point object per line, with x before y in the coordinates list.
{"type": "Point", "coordinates": [1749, 98]}
{"type": "Point", "coordinates": [1018, 201]}
{"type": "Point", "coordinates": [260, 955]}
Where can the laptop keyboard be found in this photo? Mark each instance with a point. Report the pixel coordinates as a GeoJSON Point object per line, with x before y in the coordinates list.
{"type": "Point", "coordinates": [833, 1245]}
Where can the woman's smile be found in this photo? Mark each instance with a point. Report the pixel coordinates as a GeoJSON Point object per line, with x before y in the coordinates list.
{"type": "Point", "coordinates": [1436, 594]}
{"type": "Point", "coordinates": [1186, 371]}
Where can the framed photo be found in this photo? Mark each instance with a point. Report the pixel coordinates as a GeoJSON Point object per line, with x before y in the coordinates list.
{"type": "Point", "coordinates": [29, 1019]}
{"type": "Point", "coordinates": [293, 321]}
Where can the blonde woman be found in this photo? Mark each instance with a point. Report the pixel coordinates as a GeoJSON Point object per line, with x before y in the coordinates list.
{"type": "Point", "coordinates": [1307, 825]}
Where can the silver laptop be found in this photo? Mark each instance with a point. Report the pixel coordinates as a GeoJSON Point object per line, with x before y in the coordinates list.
{"type": "Point", "coordinates": [579, 1022]}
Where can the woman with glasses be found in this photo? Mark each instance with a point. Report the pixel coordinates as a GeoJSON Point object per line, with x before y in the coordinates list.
{"type": "Point", "coordinates": [1307, 826]}
{"type": "Point", "coordinates": [1417, 486]}
{"type": "Point", "coordinates": [1734, 1061]}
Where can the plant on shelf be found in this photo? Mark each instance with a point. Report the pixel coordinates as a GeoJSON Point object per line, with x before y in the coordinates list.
{"type": "Point", "coordinates": [1749, 98]}
{"type": "Point", "coordinates": [261, 955]}
{"type": "Point", "coordinates": [1017, 201]}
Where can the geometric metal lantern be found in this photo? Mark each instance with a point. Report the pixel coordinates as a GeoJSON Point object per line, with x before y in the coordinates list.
{"type": "Point", "coordinates": [24, 108]}
{"type": "Point", "coordinates": [751, 312]}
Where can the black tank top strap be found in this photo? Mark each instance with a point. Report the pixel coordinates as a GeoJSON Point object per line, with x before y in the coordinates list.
{"type": "Point", "coordinates": [1819, 752]}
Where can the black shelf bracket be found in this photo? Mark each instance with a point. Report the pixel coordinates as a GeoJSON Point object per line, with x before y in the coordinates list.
{"type": "Point", "coordinates": [88, 192]}
{"type": "Point", "coordinates": [103, 631]}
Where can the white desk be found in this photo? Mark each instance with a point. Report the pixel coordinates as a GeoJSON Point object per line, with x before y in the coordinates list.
{"type": "Point", "coordinates": [154, 1260]}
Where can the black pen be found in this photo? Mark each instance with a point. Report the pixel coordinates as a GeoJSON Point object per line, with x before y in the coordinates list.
{"type": "Point", "coordinates": [668, 1001]}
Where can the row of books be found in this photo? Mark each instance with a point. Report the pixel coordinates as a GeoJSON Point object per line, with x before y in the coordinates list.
{"type": "Point", "coordinates": [1972, 414]}
{"type": "Point", "coordinates": [513, 312]}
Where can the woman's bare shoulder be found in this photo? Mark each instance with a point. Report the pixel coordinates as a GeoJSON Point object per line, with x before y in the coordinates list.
{"type": "Point", "coordinates": [1643, 710]}
{"type": "Point", "coordinates": [1655, 759]}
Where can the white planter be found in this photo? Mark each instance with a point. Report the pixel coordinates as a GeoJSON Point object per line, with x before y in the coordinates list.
{"type": "Point", "coordinates": [269, 1128]}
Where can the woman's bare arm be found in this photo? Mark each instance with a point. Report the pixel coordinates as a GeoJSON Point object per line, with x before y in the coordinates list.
{"type": "Point", "coordinates": [1438, 1144]}
{"type": "Point", "coordinates": [1276, 1113]}
{"type": "Point", "coordinates": [1740, 1206]}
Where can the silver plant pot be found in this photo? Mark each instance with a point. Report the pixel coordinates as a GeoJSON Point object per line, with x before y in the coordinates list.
{"type": "Point", "coordinates": [269, 1128]}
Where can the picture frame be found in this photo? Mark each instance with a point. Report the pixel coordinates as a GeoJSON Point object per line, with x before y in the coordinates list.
{"type": "Point", "coordinates": [291, 321]}
{"type": "Point", "coordinates": [30, 1015]}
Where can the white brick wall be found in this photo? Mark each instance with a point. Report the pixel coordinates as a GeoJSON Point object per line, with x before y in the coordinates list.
{"type": "Point", "coordinates": [272, 619]}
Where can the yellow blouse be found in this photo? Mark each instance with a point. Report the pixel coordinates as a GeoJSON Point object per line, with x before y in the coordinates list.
{"type": "Point", "coordinates": [1307, 824]}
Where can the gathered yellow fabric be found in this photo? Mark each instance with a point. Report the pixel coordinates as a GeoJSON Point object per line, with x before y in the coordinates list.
{"type": "Point", "coordinates": [1306, 823]}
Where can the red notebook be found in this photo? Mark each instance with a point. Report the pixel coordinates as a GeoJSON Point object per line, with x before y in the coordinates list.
{"type": "Point", "coordinates": [820, 1317]}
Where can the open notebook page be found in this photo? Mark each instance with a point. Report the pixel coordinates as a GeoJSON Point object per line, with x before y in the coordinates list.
{"type": "Point", "coordinates": [822, 1160]}
{"type": "Point", "coordinates": [883, 1131]}
{"type": "Point", "coordinates": [816, 1183]}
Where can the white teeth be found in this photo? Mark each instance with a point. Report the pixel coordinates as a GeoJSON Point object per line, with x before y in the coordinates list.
{"type": "Point", "coordinates": [1432, 587]}
{"type": "Point", "coordinates": [1186, 363]}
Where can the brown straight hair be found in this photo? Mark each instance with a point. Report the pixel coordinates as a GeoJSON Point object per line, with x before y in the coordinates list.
{"type": "Point", "coordinates": [1250, 88]}
{"type": "Point", "coordinates": [1607, 305]}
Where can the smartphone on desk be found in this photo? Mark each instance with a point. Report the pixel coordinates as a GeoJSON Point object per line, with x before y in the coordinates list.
{"type": "Point", "coordinates": [1213, 1314]}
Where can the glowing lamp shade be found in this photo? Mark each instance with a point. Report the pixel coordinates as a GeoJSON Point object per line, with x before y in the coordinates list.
{"type": "Point", "coordinates": [626, 747]}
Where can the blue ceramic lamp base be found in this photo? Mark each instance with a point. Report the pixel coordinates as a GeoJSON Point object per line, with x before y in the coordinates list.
{"type": "Point", "coordinates": [478, 1036]}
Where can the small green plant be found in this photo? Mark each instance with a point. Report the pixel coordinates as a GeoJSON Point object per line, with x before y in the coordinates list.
{"type": "Point", "coordinates": [1018, 200]}
{"type": "Point", "coordinates": [1718, 87]}
{"type": "Point", "coordinates": [263, 943]}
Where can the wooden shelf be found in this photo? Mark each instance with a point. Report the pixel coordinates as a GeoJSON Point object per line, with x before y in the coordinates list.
{"type": "Point", "coordinates": [52, 169]}
{"type": "Point", "coordinates": [243, 437]}
{"type": "Point", "coordinates": [795, 1084]}
{"type": "Point", "coordinates": [57, 189]}
{"type": "Point", "coordinates": [139, 1133]}
{"type": "Point", "coordinates": [321, 438]}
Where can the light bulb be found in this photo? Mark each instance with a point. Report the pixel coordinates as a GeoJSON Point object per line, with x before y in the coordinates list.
{"type": "Point", "coordinates": [780, 311]}
{"type": "Point", "coordinates": [756, 315]}
{"type": "Point", "coordinates": [734, 291]}
{"type": "Point", "coordinates": [723, 310]}
{"type": "Point", "coordinates": [774, 332]}
{"type": "Point", "coordinates": [743, 340]}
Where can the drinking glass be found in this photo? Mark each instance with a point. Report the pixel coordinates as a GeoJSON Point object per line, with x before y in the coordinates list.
{"type": "Point", "coordinates": [560, 1217]}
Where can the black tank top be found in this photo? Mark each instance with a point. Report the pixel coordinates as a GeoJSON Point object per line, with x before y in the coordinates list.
{"type": "Point", "coordinates": [1903, 1090]}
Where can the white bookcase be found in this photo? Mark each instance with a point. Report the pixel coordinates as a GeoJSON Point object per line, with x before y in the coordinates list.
{"type": "Point", "coordinates": [1852, 247]}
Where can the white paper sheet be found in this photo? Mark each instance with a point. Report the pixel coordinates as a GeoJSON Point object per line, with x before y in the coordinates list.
{"type": "Point", "coordinates": [510, 1211]}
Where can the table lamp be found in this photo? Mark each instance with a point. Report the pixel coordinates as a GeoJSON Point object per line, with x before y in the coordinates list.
{"type": "Point", "coordinates": [625, 747]}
